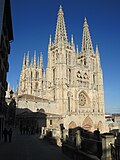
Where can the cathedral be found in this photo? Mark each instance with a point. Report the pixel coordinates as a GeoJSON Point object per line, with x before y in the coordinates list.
{"type": "Point", "coordinates": [70, 90]}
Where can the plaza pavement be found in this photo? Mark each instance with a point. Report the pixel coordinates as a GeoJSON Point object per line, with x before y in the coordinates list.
{"type": "Point", "coordinates": [29, 147]}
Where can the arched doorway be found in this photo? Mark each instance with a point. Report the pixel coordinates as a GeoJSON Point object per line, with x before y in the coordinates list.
{"type": "Point", "coordinates": [87, 123]}
{"type": "Point", "coordinates": [72, 125]}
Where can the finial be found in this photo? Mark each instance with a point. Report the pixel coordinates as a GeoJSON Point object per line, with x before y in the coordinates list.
{"type": "Point", "coordinates": [96, 47]}
{"type": "Point", "coordinates": [60, 6]}
{"type": "Point", "coordinates": [60, 10]}
{"type": "Point", "coordinates": [85, 22]}
{"type": "Point", "coordinates": [97, 50]}
{"type": "Point", "coordinates": [77, 49]}
{"type": "Point", "coordinates": [50, 40]}
{"type": "Point", "coordinates": [72, 41]}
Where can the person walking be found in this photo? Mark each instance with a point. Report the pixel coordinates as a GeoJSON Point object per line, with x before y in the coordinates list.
{"type": "Point", "coordinates": [5, 132]}
{"type": "Point", "coordinates": [10, 134]}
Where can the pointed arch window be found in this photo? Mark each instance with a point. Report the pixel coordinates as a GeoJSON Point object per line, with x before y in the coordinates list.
{"type": "Point", "coordinates": [68, 103]}
{"type": "Point", "coordinates": [69, 59]}
{"type": "Point", "coordinates": [66, 58]}
{"type": "Point", "coordinates": [42, 85]}
{"type": "Point", "coordinates": [85, 61]}
{"type": "Point", "coordinates": [37, 75]}
{"type": "Point", "coordinates": [54, 76]}
{"type": "Point", "coordinates": [31, 74]}
{"type": "Point", "coordinates": [36, 85]}
{"type": "Point", "coordinates": [94, 78]}
{"type": "Point", "coordinates": [69, 76]}
{"type": "Point", "coordinates": [70, 99]}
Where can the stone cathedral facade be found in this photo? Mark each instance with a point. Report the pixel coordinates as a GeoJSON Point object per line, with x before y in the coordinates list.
{"type": "Point", "coordinates": [71, 88]}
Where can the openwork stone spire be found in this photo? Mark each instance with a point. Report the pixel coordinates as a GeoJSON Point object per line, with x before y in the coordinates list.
{"type": "Point", "coordinates": [86, 39]}
{"type": "Point", "coordinates": [60, 27]}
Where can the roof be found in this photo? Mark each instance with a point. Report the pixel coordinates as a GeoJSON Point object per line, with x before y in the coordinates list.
{"type": "Point", "coordinates": [31, 97]}
{"type": "Point", "coordinates": [5, 9]}
{"type": "Point", "coordinates": [30, 114]}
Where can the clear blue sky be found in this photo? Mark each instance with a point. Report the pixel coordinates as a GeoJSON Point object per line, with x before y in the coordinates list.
{"type": "Point", "coordinates": [35, 20]}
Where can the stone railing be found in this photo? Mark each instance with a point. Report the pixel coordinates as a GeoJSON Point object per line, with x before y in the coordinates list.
{"type": "Point", "coordinates": [80, 147]}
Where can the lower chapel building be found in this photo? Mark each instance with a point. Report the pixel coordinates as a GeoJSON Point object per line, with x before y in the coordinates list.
{"type": "Point", "coordinates": [70, 91]}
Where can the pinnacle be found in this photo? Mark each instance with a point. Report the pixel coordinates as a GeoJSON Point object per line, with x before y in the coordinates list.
{"type": "Point", "coordinates": [85, 22]}
{"type": "Point", "coordinates": [97, 49]}
{"type": "Point", "coordinates": [60, 10]}
{"type": "Point", "coordinates": [60, 7]}
{"type": "Point", "coordinates": [86, 39]}
{"type": "Point", "coordinates": [41, 60]}
{"type": "Point", "coordinates": [60, 34]}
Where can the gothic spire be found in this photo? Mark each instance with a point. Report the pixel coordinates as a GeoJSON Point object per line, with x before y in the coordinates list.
{"type": "Point", "coordinates": [24, 60]}
{"type": "Point", "coordinates": [98, 57]}
{"type": "Point", "coordinates": [86, 39]}
{"type": "Point", "coordinates": [41, 60]}
{"type": "Point", "coordinates": [60, 27]}
{"type": "Point", "coordinates": [34, 59]}
{"type": "Point", "coordinates": [27, 59]}
{"type": "Point", "coordinates": [50, 41]}
{"type": "Point", "coordinates": [77, 49]}
{"type": "Point", "coordinates": [8, 87]}
{"type": "Point", "coordinates": [72, 42]}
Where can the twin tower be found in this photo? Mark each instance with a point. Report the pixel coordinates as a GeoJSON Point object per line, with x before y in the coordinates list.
{"type": "Point", "coordinates": [72, 83]}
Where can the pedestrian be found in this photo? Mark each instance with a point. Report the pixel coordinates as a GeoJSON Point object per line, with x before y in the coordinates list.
{"type": "Point", "coordinates": [5, 132]}
{"type": "Point", "coordinates": [10, 134]}
{"type": "Point", "coordinates": [21, 129]}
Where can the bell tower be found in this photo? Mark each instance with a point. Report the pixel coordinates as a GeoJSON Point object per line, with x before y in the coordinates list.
{"type": "Point", "coordinates": [60, 56]}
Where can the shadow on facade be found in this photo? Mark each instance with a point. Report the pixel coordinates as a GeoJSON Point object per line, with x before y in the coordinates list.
{"type": "Point", "coordinates": [30, 122]}
{"type": "Point", "coordinates": [82, 143]}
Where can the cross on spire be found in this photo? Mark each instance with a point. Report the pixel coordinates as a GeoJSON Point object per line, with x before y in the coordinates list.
{"type": "Point", "coordinates": [60, 34]}
{"type": "Point", "coordinates": [86, 39]}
